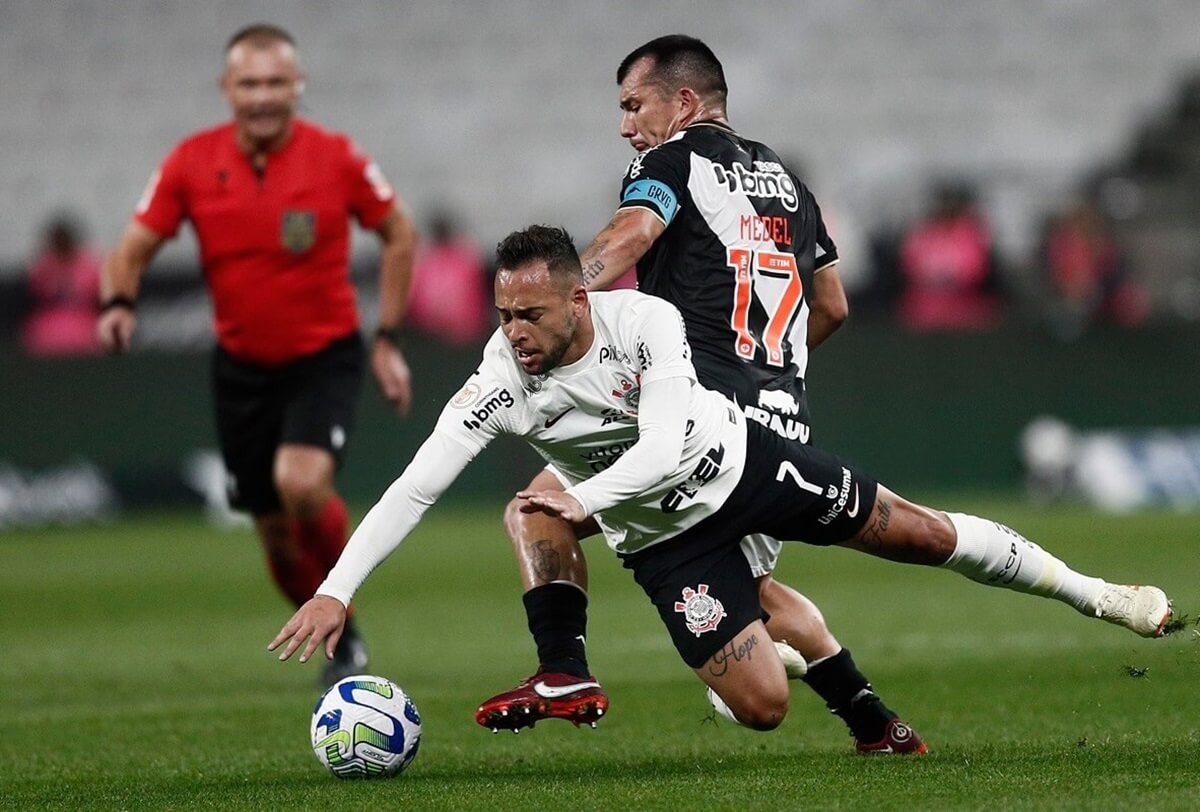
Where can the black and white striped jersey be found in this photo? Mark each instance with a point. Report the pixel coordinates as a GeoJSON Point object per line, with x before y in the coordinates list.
{"type": "Point", "coordinates": [744, 237]}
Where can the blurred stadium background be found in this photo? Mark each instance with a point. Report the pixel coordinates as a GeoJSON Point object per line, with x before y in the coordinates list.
{"type": "Point", "coordinates": [506, 114]}
{"type": "Point", "coordinates": [1068, 133]}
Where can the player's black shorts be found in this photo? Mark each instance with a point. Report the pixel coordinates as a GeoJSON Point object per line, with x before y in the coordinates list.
{"type": "Point", "coordinates": [309, 401]}
{"type": "Point", "coordinates": [700, 581]}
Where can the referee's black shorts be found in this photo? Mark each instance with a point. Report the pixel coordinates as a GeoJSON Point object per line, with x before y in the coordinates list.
{"type": "Point", "coordinates": [309, 401]}
{"type": "Point", "coordinates": [700, 581]}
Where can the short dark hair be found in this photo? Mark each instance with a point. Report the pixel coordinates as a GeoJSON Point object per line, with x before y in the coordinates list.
{"type": "Point", "coordinates": [260, 35]}
{"type": "Point", "coordinates": [680, 61]}
{"type": "Point", "coordinates": [550, 244]}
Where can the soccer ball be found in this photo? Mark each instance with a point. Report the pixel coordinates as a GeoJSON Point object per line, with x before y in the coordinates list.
{"type": "Point", "coordinates": [365, 727]}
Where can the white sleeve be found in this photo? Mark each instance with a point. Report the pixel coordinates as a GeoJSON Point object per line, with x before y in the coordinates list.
{"type": "Point", "coordinates": [660, 342]}
{"type": "Point", "coordinates": [662, 429]}
{"type": "Point", "coordinates": [436, 464]}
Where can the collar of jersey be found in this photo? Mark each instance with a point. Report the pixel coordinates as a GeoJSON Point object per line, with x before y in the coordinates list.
{"type": "Point", "coordinates": [716, 124]}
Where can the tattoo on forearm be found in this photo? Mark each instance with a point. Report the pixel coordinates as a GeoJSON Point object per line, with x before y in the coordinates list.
{"type": "Point", "coordinates": [873, 535]}
{"type": "Point", "coordinates": [593, 265]}
{"type": "Point", "coordinates": [736, 651]}
{"type": "Point", "coordinates": [592, 271]}
{"type": "Point", "coordinates": [546, 562]}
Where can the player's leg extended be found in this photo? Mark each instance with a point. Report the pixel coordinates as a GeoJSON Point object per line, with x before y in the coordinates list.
{"type": "Point", "coordinates": [992, 554]}
{"type": "Point", "coordinates": [827, 668]}
{"type": "Point", "coordinates": [554, 577]}
{"type": "Point", "coordinates": [748, 679]}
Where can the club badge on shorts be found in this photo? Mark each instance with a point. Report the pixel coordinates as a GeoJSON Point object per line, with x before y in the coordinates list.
{"type": "Point", "coordinates": [298, 230]}
{"type": "Point", "coordinates": [701, 611]}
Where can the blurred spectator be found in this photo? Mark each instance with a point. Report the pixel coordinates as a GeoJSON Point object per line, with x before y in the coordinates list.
{"type": "Point", "coordinates": [450, 297]}
{"type": "Point", "coordinates": [947, 266]}
{"type": "Point", "coordinates": [1087, 273]}
{"type": "Point", "coordinates": [64, 287]}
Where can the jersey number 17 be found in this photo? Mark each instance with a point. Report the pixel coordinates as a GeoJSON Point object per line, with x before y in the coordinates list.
{"type": "Point", "coordinates": [745, 263]}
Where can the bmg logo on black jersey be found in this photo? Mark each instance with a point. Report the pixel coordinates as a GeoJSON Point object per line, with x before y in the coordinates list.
{"type": "Point", "coordinates": [765, 181]}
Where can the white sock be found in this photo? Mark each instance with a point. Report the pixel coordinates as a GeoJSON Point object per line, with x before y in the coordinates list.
{"type": "Point", "coordinates": [720, 707]}
{"type": "Point", "coordinates": [992, 554]}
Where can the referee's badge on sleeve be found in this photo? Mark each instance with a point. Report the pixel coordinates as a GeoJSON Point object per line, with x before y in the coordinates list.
{"type": "Point", "coordinates": [298, 230]}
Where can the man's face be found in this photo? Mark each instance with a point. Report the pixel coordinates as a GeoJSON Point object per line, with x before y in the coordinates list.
{"type": "Point", "coordinates": [539, 317]}
{"type": "Point", "coordinates": [262, 85]}
{"type": "Point", "coordinates": [649, 113]}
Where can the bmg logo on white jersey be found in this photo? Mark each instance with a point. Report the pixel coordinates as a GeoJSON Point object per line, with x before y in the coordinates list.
{"type": "Point", "coordinates": [759, 183]}
{"type": "Point", "coordinates": [488, 407]}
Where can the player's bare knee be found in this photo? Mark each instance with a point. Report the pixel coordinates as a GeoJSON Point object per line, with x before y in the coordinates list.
{"type": "Point", "coordinates": [762, 710]}
{"type": "Point", "coordinates": [303, 493]}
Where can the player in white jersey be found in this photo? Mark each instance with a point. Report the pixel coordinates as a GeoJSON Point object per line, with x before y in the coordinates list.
{"type": "Point", "coordinates": [676, 477]}
{"type": "Point", "coordinates": [719, 226]}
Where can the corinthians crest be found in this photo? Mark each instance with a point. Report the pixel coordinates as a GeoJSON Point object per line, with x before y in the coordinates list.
{"type": "Point", "coordinates": [298, 230]}
{"type": "Point", "coordinates": [630, 392]}
{"type": "Point", "coordinates": [701, 611]}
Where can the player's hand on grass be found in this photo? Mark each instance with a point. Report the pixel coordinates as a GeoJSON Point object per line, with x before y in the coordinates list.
{"type": "Point", "coordinates": [115, 329]}
{"type": "Point", "coordinates": [321, 619]}
{"type": "Point", "coordinates": [393, 375]}
{"type": "Point", "coordinates": [553, 503]}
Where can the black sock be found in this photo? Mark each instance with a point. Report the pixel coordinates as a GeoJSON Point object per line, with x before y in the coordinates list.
{"type": "Point", "coordinates": [558, 622]}
{"type": "Point", "coordinates": [349, 633]}
{"type": "Point", "coordinates": [847, 693]}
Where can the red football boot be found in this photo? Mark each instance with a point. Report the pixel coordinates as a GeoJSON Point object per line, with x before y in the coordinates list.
{"type": "Point", "coordinates": [898, 739]}
{"type": "Point", "coordinates": [545, 695]}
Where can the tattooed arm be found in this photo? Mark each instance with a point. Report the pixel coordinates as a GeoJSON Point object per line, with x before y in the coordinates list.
{"type": "Point", "coordinates": [617, 248]}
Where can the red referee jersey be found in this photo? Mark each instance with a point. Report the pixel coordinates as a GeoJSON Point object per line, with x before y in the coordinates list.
{"type": "Point", "coordinates": [274, 244]}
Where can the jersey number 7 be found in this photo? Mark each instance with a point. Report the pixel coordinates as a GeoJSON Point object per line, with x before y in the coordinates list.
{"type": "Point", "coordinates": [745, 263]}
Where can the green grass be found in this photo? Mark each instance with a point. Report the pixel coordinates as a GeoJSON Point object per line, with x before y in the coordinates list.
{"type": "Point", "coordinates": [133, 673]}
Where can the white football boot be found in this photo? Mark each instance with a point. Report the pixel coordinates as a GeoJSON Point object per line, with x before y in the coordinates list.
{"type": "Point", "coordinates": [1141, 609]}
{"type": "Point", "coordinates": [793, 661]}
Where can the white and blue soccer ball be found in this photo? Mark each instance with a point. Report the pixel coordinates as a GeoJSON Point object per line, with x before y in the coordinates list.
{"type": "Point", "coordinates": [365, 727]}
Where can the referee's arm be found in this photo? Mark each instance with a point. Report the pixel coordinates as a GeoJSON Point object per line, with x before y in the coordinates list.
{"type": "Point", "coordinates": [399, 238]}
{"type": "Point", "coordinates": [120, 279]}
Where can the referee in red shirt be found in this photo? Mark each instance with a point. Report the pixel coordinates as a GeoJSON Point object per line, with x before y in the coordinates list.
{"type": "Point", "coordinates": [270, 196]}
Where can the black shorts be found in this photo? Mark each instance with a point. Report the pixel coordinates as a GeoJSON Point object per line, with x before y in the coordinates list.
{"type": "Point", "coordinates": [309, 401]}
{"type": "Point", "coordinates": [700, 581]}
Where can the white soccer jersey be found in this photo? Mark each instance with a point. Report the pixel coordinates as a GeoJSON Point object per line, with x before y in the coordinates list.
{"type": "Point", "coordinates": [582, 418]}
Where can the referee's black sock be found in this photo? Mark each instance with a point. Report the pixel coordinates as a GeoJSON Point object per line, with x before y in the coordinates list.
{"type": "Point", "coordinates": [558, 621]}
{"type": "Point", "coordinates": [847, 693]}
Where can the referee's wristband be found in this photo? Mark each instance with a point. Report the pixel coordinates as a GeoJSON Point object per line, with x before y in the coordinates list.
{"type": "Point", "coordinates": [118, 301]}
{"type": "Point", "coordinates": [392, 335]}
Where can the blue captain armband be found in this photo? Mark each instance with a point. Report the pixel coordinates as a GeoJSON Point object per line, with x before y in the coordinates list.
{"type": "Point", "coordinates": [655, 193]}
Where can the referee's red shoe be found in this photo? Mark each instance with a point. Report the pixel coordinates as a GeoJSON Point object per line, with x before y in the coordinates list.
{"type": "Point", "coordinates": [545, 695]}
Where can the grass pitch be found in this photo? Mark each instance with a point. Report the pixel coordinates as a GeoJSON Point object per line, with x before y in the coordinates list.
{"type": "Point", "coordinates": [133, 673]}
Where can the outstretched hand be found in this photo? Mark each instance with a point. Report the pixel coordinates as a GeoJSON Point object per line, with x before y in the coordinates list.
{"type": "Point", "coordinates": [553, 503]}
{"type": "Point", "coordinates": [321, 619]}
